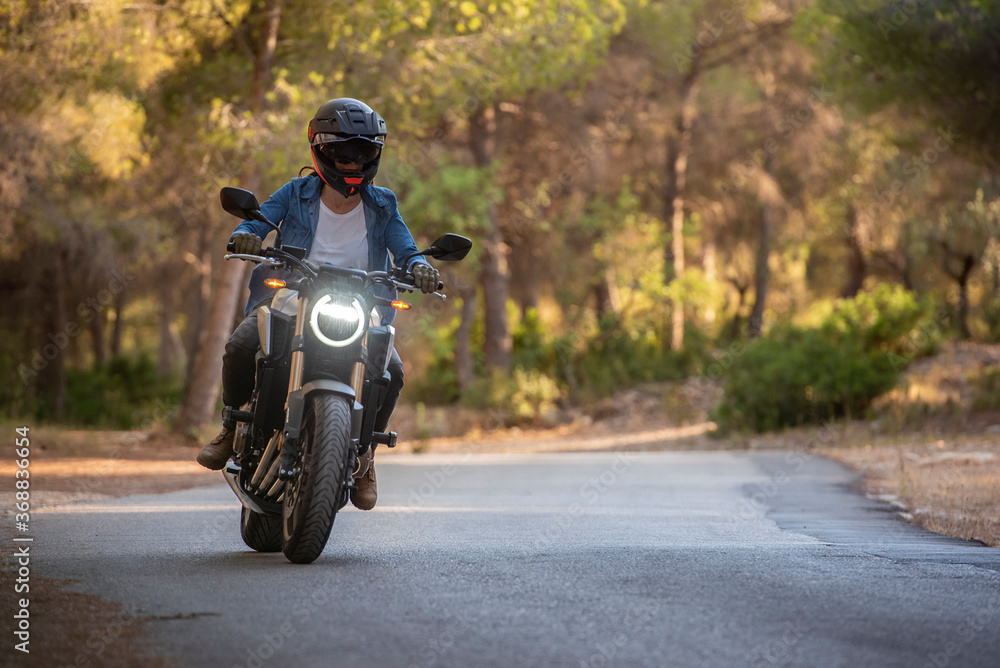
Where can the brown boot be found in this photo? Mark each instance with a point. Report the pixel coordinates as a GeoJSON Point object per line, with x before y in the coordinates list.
{"type": "Point", "coordinates": [365, 491]}
{"type": "Point", "coordinates": [215, 455]}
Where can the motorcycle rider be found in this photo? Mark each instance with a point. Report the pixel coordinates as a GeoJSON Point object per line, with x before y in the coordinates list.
{"type": "Point", "coordinates": [341, 218]}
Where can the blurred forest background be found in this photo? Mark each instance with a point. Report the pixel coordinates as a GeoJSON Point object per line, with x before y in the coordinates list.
{"type": "Point", "coordinates": [792, 199]}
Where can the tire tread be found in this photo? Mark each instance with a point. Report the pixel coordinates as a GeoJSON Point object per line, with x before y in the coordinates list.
{"type": "Point", "coordinates": [329, 458]}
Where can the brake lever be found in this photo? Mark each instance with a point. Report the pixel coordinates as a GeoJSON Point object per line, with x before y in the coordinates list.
{"type": "Point", "coordinates": [255, 258]}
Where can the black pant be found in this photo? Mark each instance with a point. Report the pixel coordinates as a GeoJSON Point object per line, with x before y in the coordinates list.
{"type": "Point", "coordinates": [239, 370]}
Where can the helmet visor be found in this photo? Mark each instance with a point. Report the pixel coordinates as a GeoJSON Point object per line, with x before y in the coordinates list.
{"type": "Point", "coordinates": [336, 148]}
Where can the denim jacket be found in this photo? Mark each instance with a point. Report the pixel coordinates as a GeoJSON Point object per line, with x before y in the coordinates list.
{"type": "Point", "coordinates": [296, 206]}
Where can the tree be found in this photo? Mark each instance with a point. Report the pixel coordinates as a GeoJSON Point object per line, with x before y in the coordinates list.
{"type": "Point", "coordinates": [715, 34]}
{"type": "Point", "coordinates": [962, 239]}
{"type": "Point", "coordinates": [502, 52]}
{"type": "Point", "coordinates": [937, 59]}
{"type": "Point", "coordinates": [72, 137]}
{"type": "Point", "coordinates": [256, 38]}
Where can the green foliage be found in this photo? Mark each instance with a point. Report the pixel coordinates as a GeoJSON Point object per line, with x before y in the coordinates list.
{"type": "Point", "coordinates": [938, 57]}
{"type": "Point", "coordinates": [521, 399]}
{"type": "Point", "coordinates": [888, 319]}
{"type": "Point", "coordinates": [122, 394]}
{"type": "Point", "coordinates": [986, 393]}
{"type": "Point", "coordinates": [552, 368]}
{"type": "Point", "coordinates": [806, 376]}
{"type": "Point", "coordinates": [801, 377]}
{"type": "Point", "coordinates": [441, 200]}
{"type": "Point", "coordinates": [615, 358]}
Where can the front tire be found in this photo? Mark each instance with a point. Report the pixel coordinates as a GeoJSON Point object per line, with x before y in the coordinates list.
{"type": "Point", "coordinates": [261, 532]}
{"type": "Point", "coordinates": [311, 501]}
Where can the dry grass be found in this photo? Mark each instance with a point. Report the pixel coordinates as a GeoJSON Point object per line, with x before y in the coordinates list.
{"type": "Point", "coordinates": [935, 449]}
{"type": "Point", "coordinates": [949, 485]}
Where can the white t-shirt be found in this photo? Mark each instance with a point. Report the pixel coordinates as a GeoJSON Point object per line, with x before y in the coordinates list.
{"type": "Point", "coordinates": [341, 238]}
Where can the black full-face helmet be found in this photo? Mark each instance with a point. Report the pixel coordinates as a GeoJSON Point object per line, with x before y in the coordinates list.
{"type": "Point", "coordinates": [346, 130]}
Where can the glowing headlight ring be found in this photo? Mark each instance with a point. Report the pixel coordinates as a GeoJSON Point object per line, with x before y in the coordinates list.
{"type": "Point", "coordinates": [314, 323]}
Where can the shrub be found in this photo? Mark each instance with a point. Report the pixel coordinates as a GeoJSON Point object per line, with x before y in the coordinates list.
{"type": "Point", "coordinates": [806, 376]}
{"type": "Point", "coordinates": [122, 394]}
{"type": "Point", "coordinates": [889, 318]}
{"type": "Point", "coordinates": [801, 377]}
{"type": "Point", "coordinates": [520, 399]}
{"type": "Point", "coordinates": [615, 358]}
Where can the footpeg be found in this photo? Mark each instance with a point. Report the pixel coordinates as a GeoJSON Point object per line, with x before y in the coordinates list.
{"type": "Point", "coordinates": [230, 414]}
{"type": "Point", "coordinates": [388, 440]}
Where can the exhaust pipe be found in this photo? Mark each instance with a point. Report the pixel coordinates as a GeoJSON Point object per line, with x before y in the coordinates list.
{"type": "Point", "coordinates": [267, 461]}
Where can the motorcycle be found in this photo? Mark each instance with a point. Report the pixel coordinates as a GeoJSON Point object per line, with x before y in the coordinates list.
{"type": "Point", "coordinates": [321, 375]}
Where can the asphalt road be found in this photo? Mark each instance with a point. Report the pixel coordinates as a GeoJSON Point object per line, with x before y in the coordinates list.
{"type": "Point", "coordinates": [583, 560]}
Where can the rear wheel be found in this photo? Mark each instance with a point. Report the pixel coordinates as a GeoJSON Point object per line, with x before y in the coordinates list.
{"type": "Point", "coordinates": [311, 501]}
{"type": "Point", "coordinates": [261, 532]}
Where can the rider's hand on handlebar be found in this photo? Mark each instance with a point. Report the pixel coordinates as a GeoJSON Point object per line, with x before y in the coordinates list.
{"type": "Point", "coordinates": [246, 243]}
{"type": "Point", "coordinates": [425, 277]}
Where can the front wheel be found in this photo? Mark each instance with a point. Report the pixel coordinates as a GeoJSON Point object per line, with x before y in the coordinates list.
{"type": "Point", "coordinates": [311, 501]}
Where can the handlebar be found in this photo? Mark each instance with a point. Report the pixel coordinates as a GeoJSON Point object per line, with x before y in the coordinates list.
{"type": "Point", "coordinates": [276, 257]}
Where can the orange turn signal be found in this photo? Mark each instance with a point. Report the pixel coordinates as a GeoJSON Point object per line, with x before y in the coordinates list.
{"type": "Point", "coordinates": [401, 306]}
{"type": "Point", "coordinates": [274, 283]}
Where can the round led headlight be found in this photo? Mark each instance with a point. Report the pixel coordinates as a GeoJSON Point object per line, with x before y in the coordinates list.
{"type": "Point", "coordinates": [337, 321]}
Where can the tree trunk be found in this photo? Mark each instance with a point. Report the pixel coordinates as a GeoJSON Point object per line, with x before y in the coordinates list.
{"type": "Point", "coordinates": [708, 263]}
{"type": "Point", "coordinates": [117, 329]}
{"type": "Point", "coordinates": [55, 371]}
{"type": "Point", "coordinates": [464, 367]}
{"type": "Point", "coordinates": [737, 325]}
{"type": "Point", "coordinates": [164, 357]}
{"type": "Point", "coordinates": [199, 404]}
{"type": "Point", "coordinates": [606, 294]}
{"type": "Point", "coordinates": [498, 345]}
{"type": "Point", "coordinates": [761, 274]}
{"type": "Point", "coordinates": [762, 270]}
{"type": "Point", "coordinates": [494, 275]}
{"type": "Point", "coordinates": [856, 265]}
{"type": "Point", "coordinates": [525, 292]}
{"type": "Point", "coordinates": [678, 153]}
{"type": "Point", "coordinates": [199, 315]}
{"type": "Point", "coordinates": [97, 337]}
{"type": "Point", "coordinates": [968, 264]}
